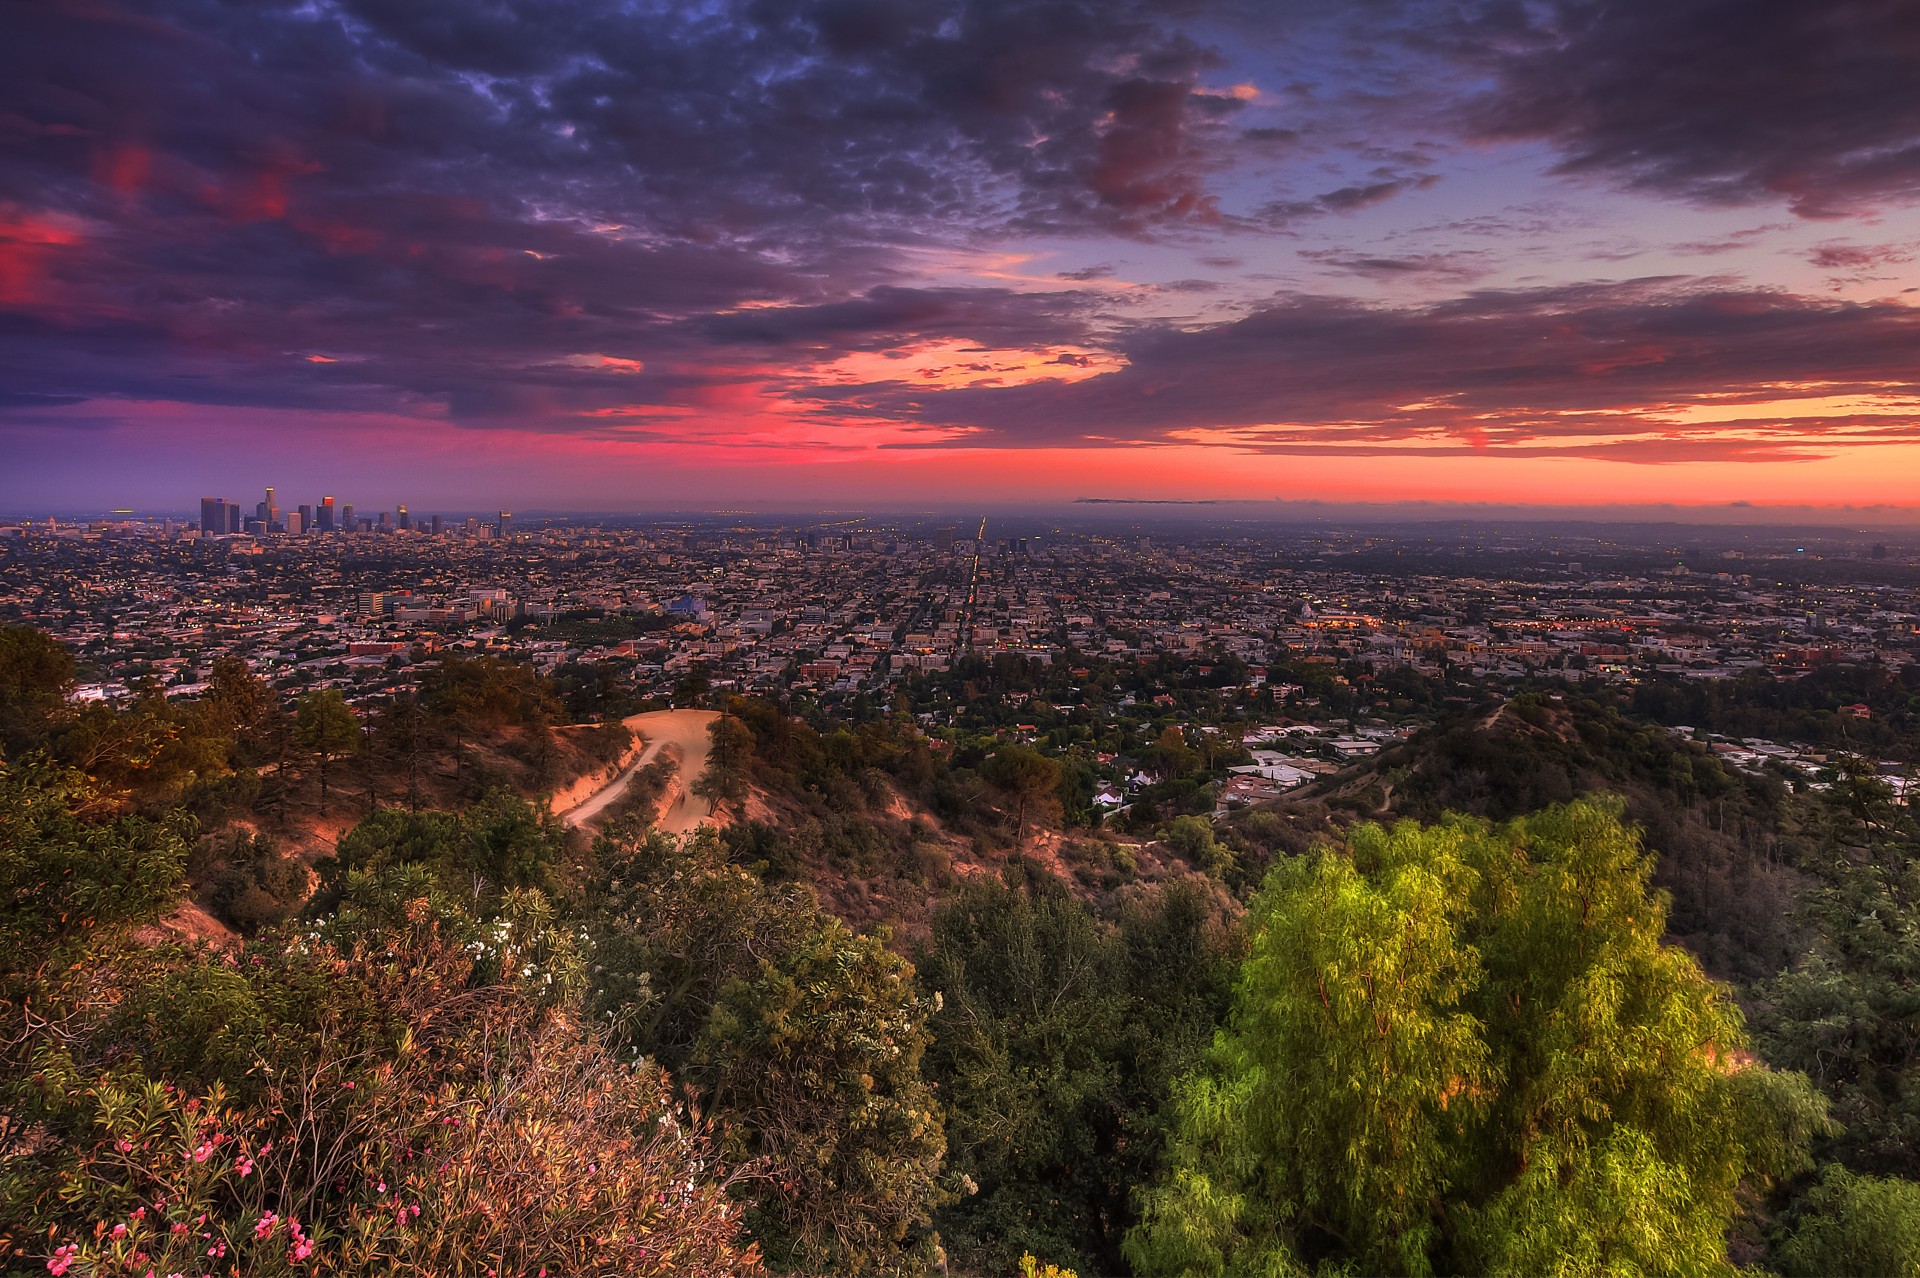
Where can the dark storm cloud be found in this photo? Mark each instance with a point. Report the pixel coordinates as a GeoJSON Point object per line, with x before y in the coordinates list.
{"type": "Point", "coordinates": [1530, 370]}
{"type": "Point", "coordinates": [720, 119]}
{"type": "Point", "coordinates": [1720, 101]}
{"type": "Point", "coordinates": [452, 199]}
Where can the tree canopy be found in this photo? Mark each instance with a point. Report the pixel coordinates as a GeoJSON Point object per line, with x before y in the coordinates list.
{"type": "Point", "coordinates": [1464, 1048]}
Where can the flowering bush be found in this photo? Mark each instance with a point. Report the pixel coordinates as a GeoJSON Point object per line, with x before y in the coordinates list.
{"type": "Point", "coordinates": [490, 1137]}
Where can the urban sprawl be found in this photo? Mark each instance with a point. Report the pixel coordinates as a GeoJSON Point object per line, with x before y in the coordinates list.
{"type": "Point", "coordinates": [1298, 648]}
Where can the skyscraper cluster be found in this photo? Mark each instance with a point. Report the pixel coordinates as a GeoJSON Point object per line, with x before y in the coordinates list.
{"type": "Point", "coordinates": [222, 518]}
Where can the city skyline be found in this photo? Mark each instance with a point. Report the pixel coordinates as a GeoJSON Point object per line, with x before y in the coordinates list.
{"type": "Point", "coordinates": [587, 258]}
{"type": "Point", "coordinates": [1211, 513]}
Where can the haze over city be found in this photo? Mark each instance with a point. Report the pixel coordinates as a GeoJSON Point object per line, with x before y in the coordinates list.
{"type": "Point", "coordinates": [665, 257]}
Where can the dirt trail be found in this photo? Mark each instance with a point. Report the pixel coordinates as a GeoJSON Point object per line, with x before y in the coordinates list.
{"type": "Point", "coordinates": [684, 733]}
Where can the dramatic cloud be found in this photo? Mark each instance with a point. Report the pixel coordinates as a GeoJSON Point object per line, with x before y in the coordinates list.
{"type": "Point", "coordinates": [1651, 370]}
{"type": "Point", "coordinates": [1731, 101]}
{"type": "Point", "coordinates": [723, 120]}
{"type": "Point", "coordinates": [361, 204]}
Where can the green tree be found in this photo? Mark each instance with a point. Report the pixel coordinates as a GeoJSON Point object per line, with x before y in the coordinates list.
{"type": "Point", "coordinates": [729, 763]}
{"type": "Point", "coordinates": [327, 727]}
{"type": "Point", "coordinates": [1170, 756]}
{"type": "Point", "coordinates": [470, 693]}
{"type": "Point", "coordinates": [236, 700]}
{"type": "Point", "coordinates": [1849, 1226]}
{"type": "Point", "coordinates": [1056, 1036]}
{"type": "Point", "coordinates": [1847, 1013]}
{"type": "Point", "coordinates": [674, 923]}
{"type": "Point", "coordinates": [256, 886]}
{"type": "Point", "coordinates": [72, 871]}
{"type": "Point", "coordinates": [1464, 1048]}
{"type": "Point", "coordinates": [1027, 777]}
{"type": "Point", "coordinates": [499, 844]}
{"type": "Point", "coordinates": [1191, 837]}
{"type": "Point", "coordinates": [814, 1063]}
{"type": "Point", "coordinates": [806, 1038]}
{"type": "Point", "coordinates": [511, 843]}
{"type": "Point", "coordinates": [36, 674]}
{"type": "Point", "coordinates": [402, 735]}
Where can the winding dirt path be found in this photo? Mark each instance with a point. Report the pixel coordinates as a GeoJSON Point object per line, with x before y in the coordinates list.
{"type": "Point", "coordinates": [684, 732]}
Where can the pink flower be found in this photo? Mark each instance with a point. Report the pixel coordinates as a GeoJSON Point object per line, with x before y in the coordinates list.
{"type": "Point", "coordinates": [124, 1146]}
{"type": "Point", "coordinates": [245, 1166]}
{"type": "Point", "coordinates": [381, 1187]}
{"type": "Point", "coordinates": [265, 1225]}
{"type": "Point", "coordinates": [266, 1149]}
{"type": "Point", "coordinates": [302, 1246]}
{"type": "Point", "coordinates": [119, 1231]}
{"type": "Point", "coordinates": [62, 1257]}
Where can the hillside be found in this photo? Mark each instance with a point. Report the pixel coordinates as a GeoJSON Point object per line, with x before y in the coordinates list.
{"type": "Point", "coordinates": [1726, 842]}
{"type": "Point", "coordinates": [874, 1002]}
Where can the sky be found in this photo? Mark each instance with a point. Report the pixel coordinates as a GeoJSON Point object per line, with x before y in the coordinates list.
{"type": "Point", "coordinates": [579, 254]}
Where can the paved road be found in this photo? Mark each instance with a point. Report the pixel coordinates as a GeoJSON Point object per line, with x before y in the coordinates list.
{"type": "Point", "coordinates": [685, 732]}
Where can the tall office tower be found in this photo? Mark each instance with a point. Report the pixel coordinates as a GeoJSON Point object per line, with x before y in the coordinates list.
{"type": "Point", "coordinates": [385, 522]}
{"type": "Point", "coordinates": [213, 515]}
{"type": "Point", "coordinates": [473, 524]}
{"type": "Point", "coordinates": [943, 538]}
{"type": "Point", "coordinates": [306, 520]}
{"type": "Point", "coordinates": [346, 518]}
{"type": "Point", "coordinates": [326, 514]}
{"type": "Point", "coordinates": [506, 522]}
{"type": "Point", "coordinates": [404, 523]}
{"type": "Point", "coordinates": [233, 516]}
{"type": "Point", "coordinates": [269, 510]}
{"type": "Point", "coordinates": [437, 527]}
